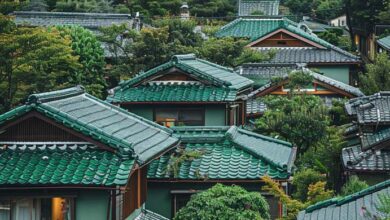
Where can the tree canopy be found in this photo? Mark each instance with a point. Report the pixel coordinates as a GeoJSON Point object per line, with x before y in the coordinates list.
{"type": "Point", "coordinates": [32, 60]}
{"type": "Point", "coordinates": [225, 202]}
{"type": "Point", "coordinates": [91, 55]}
{"type": "Point", "coordinates": [377, 76]}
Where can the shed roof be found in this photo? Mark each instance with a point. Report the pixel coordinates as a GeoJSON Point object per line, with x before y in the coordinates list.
{"type": "Point", "coordinates": [229, 153]}
{"type": "Point", "coordinates": [221, 82]}
{"type": "Point", "coordinates": [353, 207]}
{"type": "Point", "coordinates": [86, 20]}
{"type": "Point", "coordinates": [384, 42]}
{"type": "Point", "coordinates": [101, 121]}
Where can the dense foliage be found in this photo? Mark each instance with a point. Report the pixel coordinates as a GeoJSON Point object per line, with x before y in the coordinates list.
{"type": "Point", "coordinates": [315, 192]}
{"type": "Point", "coordinates": [324, 157]}
{"type": "Point", "coordinates": [336, 37]}
{"type": "Point", "coordinates": [300, 119]}
{"type": "Point", "coordinates": [32, 60]}
{"type": "Point", "coordinates": [321, 9]}
{"type": "Point", "coordinates": [353, 185]}
{"type": "Point", "coordinates": [135, 52]}
{"type": "Point", "coordinates": [91, 55]}
{"type": "Point", "coordinates": [302, 180]}
{"type": "Point", "coordinates": [377, 76]}
{"type": "Point", "coordinates": [225, 202]}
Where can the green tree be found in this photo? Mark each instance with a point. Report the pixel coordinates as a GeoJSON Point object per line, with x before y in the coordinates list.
{"type": "Point", "coordinates": [321, 9]}
{"type": "Point", "coordinates": [32, 60]}
{"type": "Point", "coordinates": [230, 52]}
{"type": "Point", "coordinates": [225, 202]}
{"type": "Point", "coordinates": [353, 185]}
{"type": "Point", "coordinates": [91, 55]}
{"type": "Point", "coordinates": [302, 180]}
{"type": "Point", "coordinates": [330, 36]}
{"type": "Point", "coordinates": [315, 192]}
{"type": "Point", "coordinates": [9, 6]}
{"type": "Point", "coordinates": [300, 119]}
{"type": "Point", "coordinates": [377, 76]}
{"type": "Point", "coordinates": [325, 156]}
{"type": "Point", "coordinates": [92, 6]}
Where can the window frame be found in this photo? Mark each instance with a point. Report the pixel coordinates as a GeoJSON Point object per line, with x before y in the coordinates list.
{"type": "Point", "coordinates": [34, 199]}
{"type": "Point", "coordinates": [179, 110]}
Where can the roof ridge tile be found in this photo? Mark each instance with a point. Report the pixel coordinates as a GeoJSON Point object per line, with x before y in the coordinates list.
{"type": "Point", "coordinates": [55, 95]}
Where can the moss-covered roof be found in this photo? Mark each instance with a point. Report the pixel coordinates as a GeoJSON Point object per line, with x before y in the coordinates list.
{"type": "Point", "coordinates": [229, 153]}
{"type": "Point", "coordinates": [112, 126]}
{"type": "Point", "coordinates": [65, 163]}
{"type": "Point", "coordinates": [359, 205]}
{"type": "Point", "coordinates": [213, 77]}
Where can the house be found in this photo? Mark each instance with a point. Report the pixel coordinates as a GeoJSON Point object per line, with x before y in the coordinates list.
{"type": "Point", "coordinates": [91, 21]}
{"type": "Point", "coordinates": [314, 26]}
{"type": "Point", "coordinates": [185, 91]}
{"type": "Point", "coordinates": [68, 155]}
{"type": "Point", "coordinates": [340, 21]}
{"type": "Point", "coordinates": [258, 7]}
{"type": "Point", "coordinates": [360, 205]}
{"type": "Point", "coordinates": [294, 44]}
{"type": "Point", "coordinates": [383, 44]}
{"type": "Point", "coordinates": [368, 153]}
{"type": "Point", "coordinates": [263, 75]}
{"type": "Point", "coordinates": [231, 155]}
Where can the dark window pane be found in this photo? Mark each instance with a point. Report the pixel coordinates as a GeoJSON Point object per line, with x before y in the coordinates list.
{"type": "Point", "coordinates": [191, 115]}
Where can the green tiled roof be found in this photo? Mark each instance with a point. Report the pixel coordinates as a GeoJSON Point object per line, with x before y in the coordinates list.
{"type": "Point", "coordinates": [255, 28]}
{"type": "Point", "coordinates": [176, 92]}
{"type": "Point", "coordinates": [110, 125]}
{"type": "Point", "coordinates": [353, 207]}
{"type": "Point", "coordinates": [230, 153]}
{"type": "Point", "coordinates": [62, 163]}
{"type": "Point", "coordinates": [385, 42]}
{"type": "Point", "coordinates": [210, 74]}
{"type": "Point", "coordinates": [317, 77]}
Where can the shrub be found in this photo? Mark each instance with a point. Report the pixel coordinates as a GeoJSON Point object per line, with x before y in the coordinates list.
{"type": "Point", "coordinates": [225, 202]}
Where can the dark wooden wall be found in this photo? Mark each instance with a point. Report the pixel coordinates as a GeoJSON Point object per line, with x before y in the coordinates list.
{"type": "Point", "coordinates": [35, 129]}
{"type": "Point", "coordinates": [281, 40]}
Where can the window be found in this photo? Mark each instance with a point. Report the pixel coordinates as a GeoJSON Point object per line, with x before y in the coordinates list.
{"type": "Point", "coordinates": [37, 209]}
{"type": "Point", "coordinates": [179, 117]}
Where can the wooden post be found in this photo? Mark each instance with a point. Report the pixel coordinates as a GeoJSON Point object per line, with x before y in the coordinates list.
{"type": "Point", "coordinates": [139, 188]}
{"type": "Point", "coordinates": [113, 205]}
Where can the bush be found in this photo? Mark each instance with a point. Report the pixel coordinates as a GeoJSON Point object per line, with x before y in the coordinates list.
{"type": "Point", "coordinates": [225, 202]}
{"type": "Point", "coordinates": [302, 180]}
{"type": "Point", "coordinates": [353, 185]}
